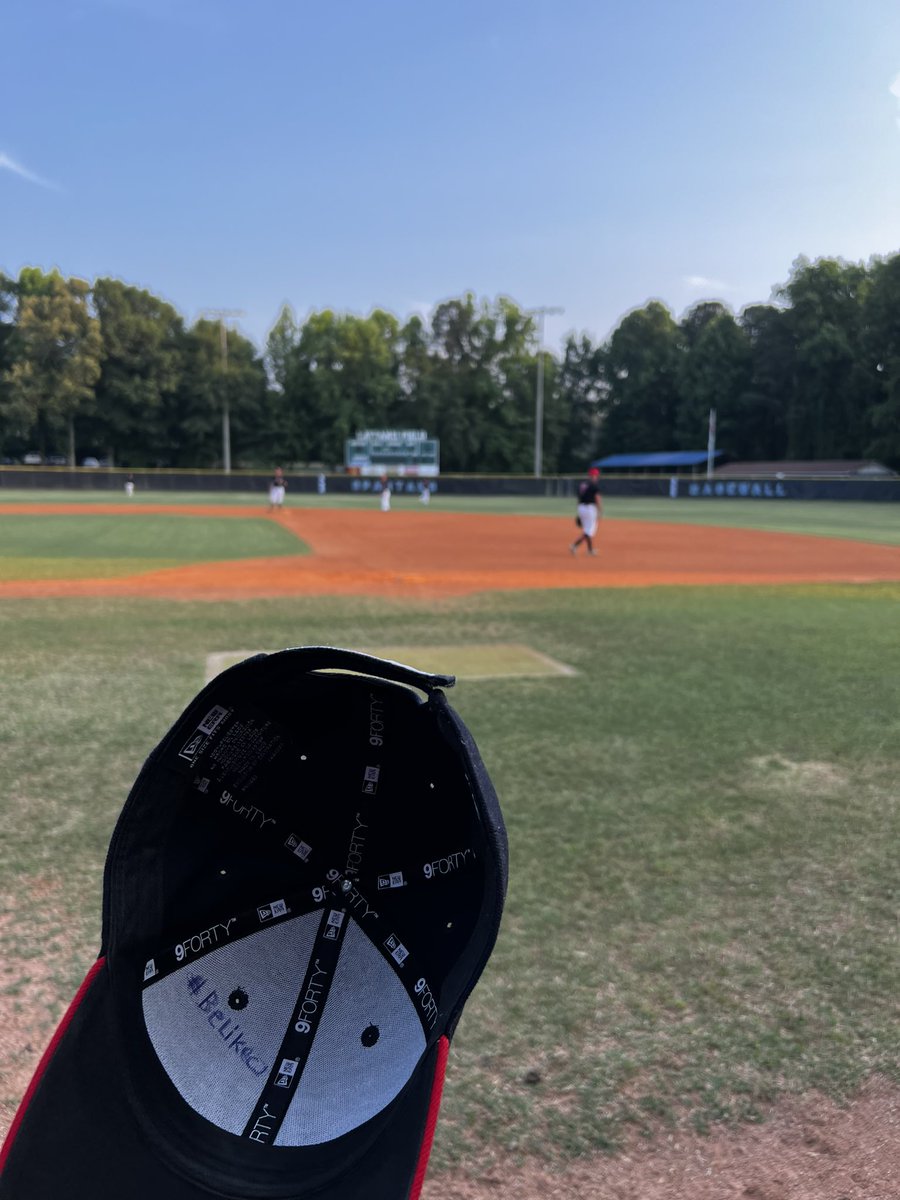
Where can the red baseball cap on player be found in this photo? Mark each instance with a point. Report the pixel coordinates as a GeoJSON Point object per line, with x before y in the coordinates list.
{"type": "Point", "coordinates": [594, 471]}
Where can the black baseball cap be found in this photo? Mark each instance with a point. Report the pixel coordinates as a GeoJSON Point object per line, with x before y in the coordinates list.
{"type": "Point", "coordinates": [302, 889]}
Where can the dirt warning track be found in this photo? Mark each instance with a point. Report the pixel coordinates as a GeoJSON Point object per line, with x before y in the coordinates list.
{"type": "Point", "coordinates": [431, 554]}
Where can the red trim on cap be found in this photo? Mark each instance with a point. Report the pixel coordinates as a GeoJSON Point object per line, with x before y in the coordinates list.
{"type": "Point", "coordinates": [437, 1086]}
{"type": "Point", "coordinates": [46, 1057]}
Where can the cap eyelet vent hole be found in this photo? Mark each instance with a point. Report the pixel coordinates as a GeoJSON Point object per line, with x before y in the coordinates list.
{"type": "Point", "coordinates": [238, 999]}
{"type": "Point", "coordinates": [370, 1035]}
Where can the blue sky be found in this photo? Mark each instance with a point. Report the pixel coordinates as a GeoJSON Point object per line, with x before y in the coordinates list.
{"type": "Point", "coordinates": [354, 154]}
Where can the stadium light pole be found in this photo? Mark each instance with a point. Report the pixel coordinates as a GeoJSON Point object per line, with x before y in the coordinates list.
{"type": "Point", "coordinates": [222, 314]}
{"type": "Point", "coordinates": [540, 313]}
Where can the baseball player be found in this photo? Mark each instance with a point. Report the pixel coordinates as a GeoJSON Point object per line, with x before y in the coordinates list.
{"type": "Point", "coordinates": [276, 490]}
{"type": "Point", "coordinates": [590, 510]}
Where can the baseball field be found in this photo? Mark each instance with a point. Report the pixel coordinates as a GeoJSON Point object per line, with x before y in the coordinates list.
{"type": "Point", "coordinates": [694, 737]}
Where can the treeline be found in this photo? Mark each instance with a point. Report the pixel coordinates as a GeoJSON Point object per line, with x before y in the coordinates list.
{"type": "Point", "coordinates": [113, 371]}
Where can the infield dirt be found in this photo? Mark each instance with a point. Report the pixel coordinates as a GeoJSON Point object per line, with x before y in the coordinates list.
{"type": "Point", "coordinates": [431, 554]}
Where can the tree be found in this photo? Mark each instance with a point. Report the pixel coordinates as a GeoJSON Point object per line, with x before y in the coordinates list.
{"type": "Point", "coordinates": [342, 376]}
{"type": "Point", "coordinates": [142, 339]}
{"type": "Point", "coordinates": [699, 317]}
{"type": "Point", "coordinates": [414, 365]}
{"type": "Point", "coordinates": [583, 392]}
{"type": "Point", "coordinates": [12, 425]}
{"type": "Point", "coordinates": [483, 368]}
{"type": "Point", "coordinates": [371, 363]}
{"type": "Point", "coordinates": [58, 348]}
{"type": "Point", "coordinates": [282, 341]}
{"type": "Point", "coordinates": [252, 439]}
{"type": "Point", "coordinates": [7, 318]}
{"type": "Point", "coordinates": [827, 416]}
{"type": "Point", "coordinates": [640, 366]}
{"type": "Point", "coordinates": [714, 372]}
{"type": "Point", "coordinates": [882, 344]}
{"type": "Point", "coordinates": [281, 346]}
{"type": "Point", "coordinates": [767, 397]}
{"type": "Point", "coordinates": [192, 416]}
{"type": "Point", "coordinates": [461, 384]}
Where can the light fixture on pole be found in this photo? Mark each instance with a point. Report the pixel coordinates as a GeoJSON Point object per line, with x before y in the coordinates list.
{"type": "Point", "coordinates": [222, 314]}
{"type": "Point", "coordinates": [540, 313]}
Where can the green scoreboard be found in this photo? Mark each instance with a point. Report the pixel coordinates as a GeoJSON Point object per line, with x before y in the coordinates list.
{"type": "Point", "coordinates": [392, 452]}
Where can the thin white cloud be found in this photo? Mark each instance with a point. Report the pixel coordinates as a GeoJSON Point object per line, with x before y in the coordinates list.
{"type": "Point", "coordinates": [894, 89]}
{"type": "Point", "coordinates": [10, 164]}
{"type": "Point", "coordinates": [702, 283]}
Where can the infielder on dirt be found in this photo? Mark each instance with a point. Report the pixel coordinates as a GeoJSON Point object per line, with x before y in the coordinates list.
{"type": "Point", "coordinates": [590, 510]}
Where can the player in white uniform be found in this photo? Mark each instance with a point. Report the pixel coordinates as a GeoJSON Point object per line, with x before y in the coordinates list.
{"type": "Point", "coordinates": [590, 509]}
{"type": "Point", "coordinates": [276, 490]}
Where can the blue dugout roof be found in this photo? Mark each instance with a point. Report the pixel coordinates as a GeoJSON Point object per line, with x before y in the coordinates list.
{"type": "Point", "coordinates": [663, 458]}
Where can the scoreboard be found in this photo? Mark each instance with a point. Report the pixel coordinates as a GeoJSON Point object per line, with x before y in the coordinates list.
{"type": "Point", "coordinates": [401, 452]}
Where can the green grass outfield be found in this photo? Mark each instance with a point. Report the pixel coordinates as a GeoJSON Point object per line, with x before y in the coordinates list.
{"type": "Point", "coordinates": [703, 826]}
{"type": "Point", "coordinates": [858, 520]}
{"type": "Point", "coordinates": [93, 545]}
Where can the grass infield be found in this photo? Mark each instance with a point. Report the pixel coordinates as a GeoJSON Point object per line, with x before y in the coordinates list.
{"type": "Point", "coordinates": [96, 545]}
{"type": "Point", "coordinates": [703, 826]}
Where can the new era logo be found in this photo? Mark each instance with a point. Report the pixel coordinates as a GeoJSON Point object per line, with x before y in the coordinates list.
{"type": "Point", "coordinates": [394, 880]}
{"type": "Point", "coordinates": [150, 969]}
{"type": "Point", "coordinates": [191, 749]}
{"type": "Point", "coordinates": [398, 951]}
{"type": "Point", "coordinates": [277, 908]}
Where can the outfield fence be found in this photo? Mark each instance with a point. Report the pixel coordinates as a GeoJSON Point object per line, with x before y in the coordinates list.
{"type": "Point", "coordinates": [684, 487]}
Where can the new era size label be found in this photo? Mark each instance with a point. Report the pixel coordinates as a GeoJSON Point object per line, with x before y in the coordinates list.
{"type": "Point", "coordinates": [370, 780]}
{"type": "Point", "coordinates": [300, 848]}
{"type": "Point", "coordinates": [332, 925]}
{"type": "Point", "coordinates": [286, 1072]}
{"type": "Point", "coordinates": [214, 717]}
